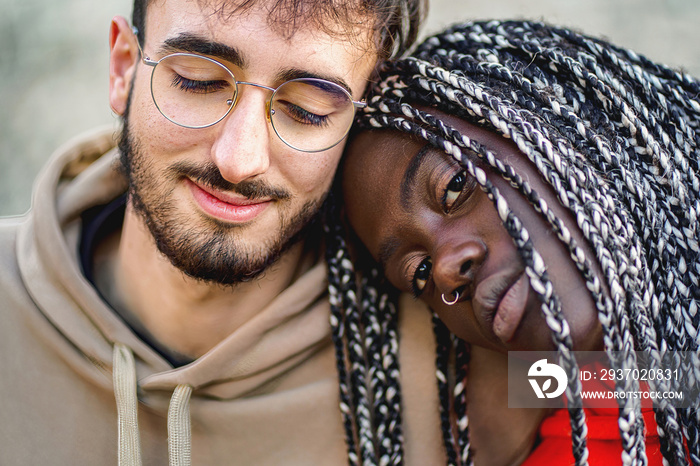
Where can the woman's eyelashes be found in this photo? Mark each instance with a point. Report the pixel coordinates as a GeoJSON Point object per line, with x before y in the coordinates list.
{"type": "Point", "coordinates": [421, 276]}
{"type": "Point", "coordinates": [453, 193]}
{"type": "Point", "coordinates": [453, 190]}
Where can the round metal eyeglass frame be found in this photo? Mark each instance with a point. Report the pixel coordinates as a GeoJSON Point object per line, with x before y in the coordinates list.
{"type": "Point", "coordinates": [269, 111]}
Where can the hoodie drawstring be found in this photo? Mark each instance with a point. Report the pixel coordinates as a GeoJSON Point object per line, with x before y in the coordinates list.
{"type": "Point", "coordinates": [124, 381]}
{"type": "Point", "coordinates": [179, 427]}
{"type": "Point", "coordinates": [179, 430]}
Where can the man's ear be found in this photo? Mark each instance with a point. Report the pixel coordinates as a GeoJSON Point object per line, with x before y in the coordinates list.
{"type": "Point", "coordinates": [123, 59]}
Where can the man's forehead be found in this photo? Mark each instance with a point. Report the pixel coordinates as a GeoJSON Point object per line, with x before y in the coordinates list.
{"type": "Point", "coordinates": [220, 21]}
{"type": "Point", "coordinates": [287, 17]}
{"type": "Point", "coordinates": [391, 25]}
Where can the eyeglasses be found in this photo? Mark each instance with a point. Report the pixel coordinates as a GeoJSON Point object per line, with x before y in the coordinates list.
{"type": "Point", "coordinates": [194, 91]}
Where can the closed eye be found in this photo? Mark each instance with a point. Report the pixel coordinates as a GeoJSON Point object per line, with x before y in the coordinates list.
{"type": "Point", "coordinates": [303, 116]}
{"type": "Point", "coordinates": [198, 87]}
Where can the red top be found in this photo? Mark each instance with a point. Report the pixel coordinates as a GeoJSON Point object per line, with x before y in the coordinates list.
{"type": "Point", "coordinates": [604, 443]}
{"type": "Point", "coordinates": [603, 440]}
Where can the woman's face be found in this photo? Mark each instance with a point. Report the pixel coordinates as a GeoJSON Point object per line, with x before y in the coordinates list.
{"type": "Point", "coordinates": [434, 231]}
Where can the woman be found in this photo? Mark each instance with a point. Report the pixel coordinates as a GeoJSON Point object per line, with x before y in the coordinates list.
{"type": "Point", "coordinates": [539, 190]}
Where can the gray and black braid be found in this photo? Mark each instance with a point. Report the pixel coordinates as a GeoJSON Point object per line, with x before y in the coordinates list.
{"type": "Point", "coordinates": [616, 136]}
{"type": "Point", "coordinates": [365, 334]}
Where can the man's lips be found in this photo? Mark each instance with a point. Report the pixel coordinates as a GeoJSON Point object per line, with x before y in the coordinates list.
{"type": "Point", "coordinates": [226, 206]}
{"type": "Point", "coordinates": [500, 303]}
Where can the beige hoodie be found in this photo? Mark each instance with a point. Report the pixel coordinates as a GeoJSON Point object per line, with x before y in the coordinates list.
{"type": "Point", "coordinates": [267, 394]}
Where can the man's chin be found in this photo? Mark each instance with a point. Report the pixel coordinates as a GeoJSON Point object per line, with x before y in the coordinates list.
{"type": "Point", "coordinates": [217, 260]}
{"type": "Point", "coordinates": [215, 255]}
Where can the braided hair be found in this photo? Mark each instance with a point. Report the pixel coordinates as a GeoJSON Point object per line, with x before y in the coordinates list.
{"type": "Point", "coordinates": [616, 136]}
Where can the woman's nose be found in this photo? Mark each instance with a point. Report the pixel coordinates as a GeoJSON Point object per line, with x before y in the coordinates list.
{"type": "Point", "coordinates": [456, 263]}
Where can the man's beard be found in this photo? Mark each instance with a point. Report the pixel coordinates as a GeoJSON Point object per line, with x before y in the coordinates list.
{"type": "Point", "coordinates": [210, 250]}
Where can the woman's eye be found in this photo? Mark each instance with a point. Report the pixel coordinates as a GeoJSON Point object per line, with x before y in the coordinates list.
{"type": "Point", "coordinates": [453, 190]}
{"type": "Point", "coordinates": [421, 276]}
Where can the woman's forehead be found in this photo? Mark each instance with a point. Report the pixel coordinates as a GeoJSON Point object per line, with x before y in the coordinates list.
{"type": "Point", "coordinates": [374, 166]}
{"type": "Point", "coordinates": [376, 154]}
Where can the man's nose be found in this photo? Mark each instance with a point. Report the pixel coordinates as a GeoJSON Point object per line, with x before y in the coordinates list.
{"type": "Point", "coordinates": [242, 146]}
{"type": "Point", "coordinates": [455, 263]}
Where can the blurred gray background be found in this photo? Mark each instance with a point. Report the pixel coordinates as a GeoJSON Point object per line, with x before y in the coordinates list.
{"type": "Point", "coordinates": [54, 59]}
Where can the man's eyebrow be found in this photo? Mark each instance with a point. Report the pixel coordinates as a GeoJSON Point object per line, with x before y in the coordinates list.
{"type": "Point", "coordinates": [188, 42]}
{"type": "Point", "coordinates": [387, 248]}
{"type": "Point", "coordinates": [295, 73]}
{"type": "Point", "coordinates": [409, 175]}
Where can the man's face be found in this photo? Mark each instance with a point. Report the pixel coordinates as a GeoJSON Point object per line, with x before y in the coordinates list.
{"type": "Point", "coordinates": [224, 202]}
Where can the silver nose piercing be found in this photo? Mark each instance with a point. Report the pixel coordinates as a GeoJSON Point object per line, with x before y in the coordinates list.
{"type": "Point", "coordinates": [450, 303]}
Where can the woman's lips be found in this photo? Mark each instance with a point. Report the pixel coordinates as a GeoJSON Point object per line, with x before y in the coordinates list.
{"type": "Point", "coordinates": [500, 303]}
{"type": "Point", "coordinates": [226, 207]}
{"type": "Point", "coordinates": [511, 309]}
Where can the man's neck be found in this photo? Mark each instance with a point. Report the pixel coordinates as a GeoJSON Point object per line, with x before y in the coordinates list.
{"type": "Point", "coordinates": [182, 316]}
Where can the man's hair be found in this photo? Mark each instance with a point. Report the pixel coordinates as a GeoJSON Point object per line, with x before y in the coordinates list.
{"type": "Point", "coordinates": [616, 136]}
{"type": "Point", "coordinates": [396, 22]}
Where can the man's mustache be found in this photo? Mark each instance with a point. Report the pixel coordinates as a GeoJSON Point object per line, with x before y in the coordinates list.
{"type": "Point", "coordinates": [209, 175]}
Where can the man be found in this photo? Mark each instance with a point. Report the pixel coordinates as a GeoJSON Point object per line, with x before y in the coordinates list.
{"type": "Point", "coordinates": [168, 299]}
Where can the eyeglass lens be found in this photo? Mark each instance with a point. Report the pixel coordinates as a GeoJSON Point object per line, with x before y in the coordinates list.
{"type": "Point", "coordinates": [307, 114]}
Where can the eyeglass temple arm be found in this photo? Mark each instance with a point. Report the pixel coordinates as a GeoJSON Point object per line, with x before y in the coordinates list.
{"type": "Point", "coordinates": [146, 60]}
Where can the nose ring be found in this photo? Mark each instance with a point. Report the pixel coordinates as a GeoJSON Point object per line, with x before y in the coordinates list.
{"type": "Point", "coordinates": [450, 303]}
